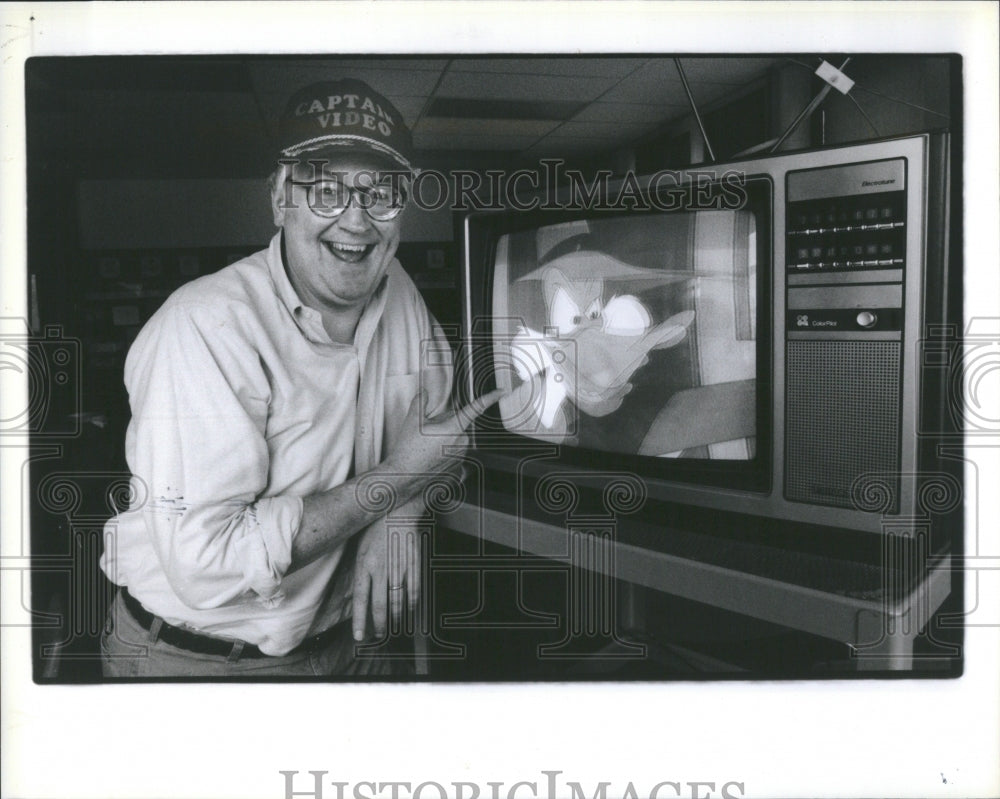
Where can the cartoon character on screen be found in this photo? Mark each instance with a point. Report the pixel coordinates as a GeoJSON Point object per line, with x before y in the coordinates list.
{"type": "Point", "coordinates": [590, 347]}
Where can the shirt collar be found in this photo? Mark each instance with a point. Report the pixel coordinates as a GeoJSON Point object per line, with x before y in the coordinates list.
{"type": "Point", "coordinates": [282, 285]}
{"type": "Point", "coordinates": [370, 317]}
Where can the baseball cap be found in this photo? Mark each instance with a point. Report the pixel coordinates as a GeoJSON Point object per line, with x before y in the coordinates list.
{"type": "Point", "coordinates": [344, 115]}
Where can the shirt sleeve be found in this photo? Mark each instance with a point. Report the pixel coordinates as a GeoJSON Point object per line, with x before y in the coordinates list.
{"type": "Point", "coordinates": [437, 366]}
{"type": "Point", "coordinates": [199, 398]}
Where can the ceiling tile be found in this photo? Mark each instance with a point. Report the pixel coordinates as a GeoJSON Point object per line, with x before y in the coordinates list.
{"type": "Point", "coordinates": [567, 147]}
{"type": "Point", "coordinates": [673, 94]}
{"type": "Point", "coordinates": [483, 127]}
{"type": "Point", "coordinates": [726, 70]}
{"type": "Point", "coordinates": [709, 78]}
{"type": "Point", "coordinates": [475, 108]}
{"type": "Point", "coordinates": [472, 142]}
{"type": "Point", "coordinates": [657, 82]}
{"type": "Point", "coordinates": [629, 113]}
{"type": "Point", "coordinates": [534, 87]}
{"type": "Point", "coordinates": [620, 129]}
{"type": "Point", "coordinates": [576, 143]}
{"type": "Point", "coordinates": [551, 66]}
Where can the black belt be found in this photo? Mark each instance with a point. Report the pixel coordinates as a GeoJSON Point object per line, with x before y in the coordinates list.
{"type": "Point", "coordinates": [206, 645]}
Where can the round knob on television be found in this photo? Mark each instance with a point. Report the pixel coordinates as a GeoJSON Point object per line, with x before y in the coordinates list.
{"type": "Point", "coordinates": [867, 319]}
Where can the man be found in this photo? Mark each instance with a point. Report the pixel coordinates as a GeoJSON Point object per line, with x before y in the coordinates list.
{"type": "Point", "coordinates": [266, 399]}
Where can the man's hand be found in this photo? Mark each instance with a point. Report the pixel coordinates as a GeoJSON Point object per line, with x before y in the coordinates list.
{"type": "Point", "coordinates": [388, 563]}
{"type": "Point", "coordinates": [427, 444]}
{"type": "Point", "coordinates": [388, 571]}
{"type": "Point", "coordinates": [427, 447]}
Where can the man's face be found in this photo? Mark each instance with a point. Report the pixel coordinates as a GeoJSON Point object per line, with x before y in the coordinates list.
{"type": "Point", "coordinates": [334, 263]}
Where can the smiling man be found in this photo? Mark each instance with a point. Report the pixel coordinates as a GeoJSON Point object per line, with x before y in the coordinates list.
{"type": "Point", "coordinates": [263, 397]}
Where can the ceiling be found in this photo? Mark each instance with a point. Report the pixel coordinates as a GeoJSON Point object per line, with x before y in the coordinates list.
{"type": "Point", "coordinates": [213, 117]}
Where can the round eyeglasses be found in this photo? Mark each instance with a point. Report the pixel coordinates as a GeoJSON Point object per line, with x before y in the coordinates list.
{"type": "Point", "coordinates": [330, 198]}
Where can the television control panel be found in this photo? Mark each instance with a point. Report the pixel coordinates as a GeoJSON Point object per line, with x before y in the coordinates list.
{"type": "Point", "coordinates": [846, 256]}
{"type": "Point", "coordinates": [847, 233]}
{"type": "Point", "coordinates": [845, 248]}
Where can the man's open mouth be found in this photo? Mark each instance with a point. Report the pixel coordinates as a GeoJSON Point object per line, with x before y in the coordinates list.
{"type": "Point", "coordinates": [351, 253]}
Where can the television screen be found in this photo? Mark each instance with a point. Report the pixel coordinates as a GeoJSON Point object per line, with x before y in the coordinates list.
{"type": "Point", "coordinates": [631, 333]}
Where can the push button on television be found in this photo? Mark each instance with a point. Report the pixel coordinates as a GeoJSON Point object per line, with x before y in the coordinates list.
{"type": "Point", "coordinates": [867, 319]}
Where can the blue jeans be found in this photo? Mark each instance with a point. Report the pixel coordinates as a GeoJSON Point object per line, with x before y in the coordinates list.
{"type": "Point", "coordinates": [128, 650]}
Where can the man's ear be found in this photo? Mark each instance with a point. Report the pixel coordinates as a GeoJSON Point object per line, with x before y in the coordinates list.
{"type": "Point", "coordinates": [281, 193]}
{"type": "Point", "coordinates": [279, 199]}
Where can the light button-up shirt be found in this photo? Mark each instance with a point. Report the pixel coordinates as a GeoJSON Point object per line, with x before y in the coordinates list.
{"type": "Point", "coordinates": [241, 406]}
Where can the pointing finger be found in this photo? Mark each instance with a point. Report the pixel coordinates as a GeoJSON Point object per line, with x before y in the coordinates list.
{"type": "Point", "coordinates": [474, 409]}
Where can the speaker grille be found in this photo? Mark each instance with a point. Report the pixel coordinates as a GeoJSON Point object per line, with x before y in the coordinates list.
{"type": "Point", "coordinates": [841, 419]}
